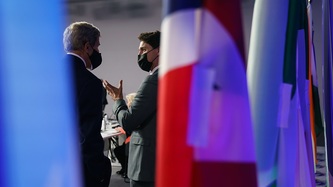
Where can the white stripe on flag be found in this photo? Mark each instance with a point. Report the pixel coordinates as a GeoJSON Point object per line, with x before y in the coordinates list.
{"type": "Point", "coordinates": [179, 26]}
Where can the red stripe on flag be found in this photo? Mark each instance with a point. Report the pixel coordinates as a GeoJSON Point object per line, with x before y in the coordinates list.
{"type": "Point", "coordinates": [174, 156]}
{"type": "Point", "coordinates": [224, 174]}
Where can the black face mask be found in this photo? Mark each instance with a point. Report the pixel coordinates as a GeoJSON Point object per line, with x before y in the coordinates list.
{"type": "Point", "coordinates": [96, 59]}
{"type": "Point", "coordinates": [143, 62]}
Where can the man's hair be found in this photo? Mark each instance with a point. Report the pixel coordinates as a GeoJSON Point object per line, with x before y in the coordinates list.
{"type": "Point", "coordinates": [77, 34]}
{"type": "Point", "coordinates": [151, 38]}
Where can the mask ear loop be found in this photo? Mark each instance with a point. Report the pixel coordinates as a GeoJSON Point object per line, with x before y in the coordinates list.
{"type": "Point", "coordinates": [91, 66]}
{"type": "Point", "coordinates": [86, 47]}
{"type": "Point", "coordinates": [154, 59]}
{"type": "Point", "coordinates": [150, 50]}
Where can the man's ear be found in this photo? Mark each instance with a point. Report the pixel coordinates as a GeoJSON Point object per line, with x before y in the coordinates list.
{"type": "Point", "coordinates": [158, 50]}
{"type": "Point", "coordinates": [86, 47]}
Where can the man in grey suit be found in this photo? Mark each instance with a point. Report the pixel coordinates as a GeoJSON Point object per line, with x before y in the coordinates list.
{"type": "Point", "coordinates": [140, 119]}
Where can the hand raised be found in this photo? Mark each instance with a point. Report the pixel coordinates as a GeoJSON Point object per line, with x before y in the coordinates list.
{"type": "Point", "coordinates": [114, 92]}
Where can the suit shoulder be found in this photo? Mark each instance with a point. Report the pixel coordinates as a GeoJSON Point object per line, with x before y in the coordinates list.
{"type": "Point", "coordinates": [152, 78]}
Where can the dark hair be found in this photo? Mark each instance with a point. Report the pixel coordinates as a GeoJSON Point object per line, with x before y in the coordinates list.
{"type": "Point", "coordinates": [151, 38]}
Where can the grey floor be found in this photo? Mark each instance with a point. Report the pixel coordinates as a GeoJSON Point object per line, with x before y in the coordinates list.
{"type": "Point", "coordinates": [117, 180]}
{"type": "Point", "coordinates": [321, 167]}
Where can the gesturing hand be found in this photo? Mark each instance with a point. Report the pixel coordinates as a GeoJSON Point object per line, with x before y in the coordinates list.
{"type": "Point", "coordinates": [114, 92]}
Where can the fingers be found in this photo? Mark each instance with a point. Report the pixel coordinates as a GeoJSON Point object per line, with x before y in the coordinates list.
{"type": "Point", "coordinates": [121, 84]}
{"type": "Point", "coordinates": [110, 93]}
{"type": "Point", "coordinates": [105, 83]}
{"type": "Point", "coordinates": [121, 88]}
{"type": "Point", "coordinates": [114, 92]}
{"type": "Point", "coordinates": [108, 88]}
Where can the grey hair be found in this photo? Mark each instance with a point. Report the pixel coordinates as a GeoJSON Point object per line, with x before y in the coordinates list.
{"type": "Point", "coordinates": [130, 98]}
{"type": "Point", "coordinates": [77, 34]}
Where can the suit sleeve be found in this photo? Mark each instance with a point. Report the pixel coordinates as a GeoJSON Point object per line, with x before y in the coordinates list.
{"type": "Point", "coordinates": [142, 108]}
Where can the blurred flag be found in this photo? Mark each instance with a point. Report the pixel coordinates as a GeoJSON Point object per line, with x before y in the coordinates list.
{"type": "Point", "coordinates": [287, 113]}
{"type": "Point", "coordinates": [2, 121]}
{"type": "Point", "coordinates": [204, 127]}
{"type": "Point", "coordinates": [308, 100]}
{"type": "Point", "coordinates": [316, 122]}
{"type": "Point", "coordinates": [276, 56]}
{"type": "Point", "coordinates": [277, 85]}
{"type": "Point", "coordinates": [315, 113]}
{"type": "Point", "coordinates": [327, 82]}
{"type": "Point", "coordinates": [265, 75]}
{"type": "Point", "coordinates": [37, 120]}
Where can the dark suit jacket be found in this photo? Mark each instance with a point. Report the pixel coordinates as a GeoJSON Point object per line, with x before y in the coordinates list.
{"type": "Point", "coordinates": [88, 92]}
{"type": "Point", "coordinates": [140, 120]}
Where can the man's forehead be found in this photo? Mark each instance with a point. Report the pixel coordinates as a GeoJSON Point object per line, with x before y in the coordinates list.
{"type": "Point", "coordinates": [144, 45]}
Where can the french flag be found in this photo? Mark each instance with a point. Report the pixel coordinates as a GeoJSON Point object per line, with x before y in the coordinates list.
{"type": "Point", "coordinates": [205, 135]}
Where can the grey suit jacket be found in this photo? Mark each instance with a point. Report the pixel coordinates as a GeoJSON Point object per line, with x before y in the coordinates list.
{"type": "Point", "coordinates": [140, 121]}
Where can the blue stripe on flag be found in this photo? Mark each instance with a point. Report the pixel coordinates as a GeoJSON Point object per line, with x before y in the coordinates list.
{"type": "Point", "coordinates": [2, 155]}
{"type": "Point", "coordinates": [171, 6]}
{"type": "Point", "coordinates": [38, 126]}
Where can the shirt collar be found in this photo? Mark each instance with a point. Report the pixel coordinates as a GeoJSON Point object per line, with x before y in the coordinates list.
{"type": "Point", "coordinates": [84, 62]}
{"type": "Point", "coordinates": [152, 71]}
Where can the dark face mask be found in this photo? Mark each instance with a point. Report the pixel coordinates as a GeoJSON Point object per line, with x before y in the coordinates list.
{"type": "Point", "coordinates": [143, 62]}
{"type": "Point", "coordinates": [96, 59]}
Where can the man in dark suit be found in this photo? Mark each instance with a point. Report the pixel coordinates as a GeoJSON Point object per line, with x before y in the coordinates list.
{"type": "Point", "coordinates": [140, 119]}
{"type": "Point", "coordinates": [81, 42]}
